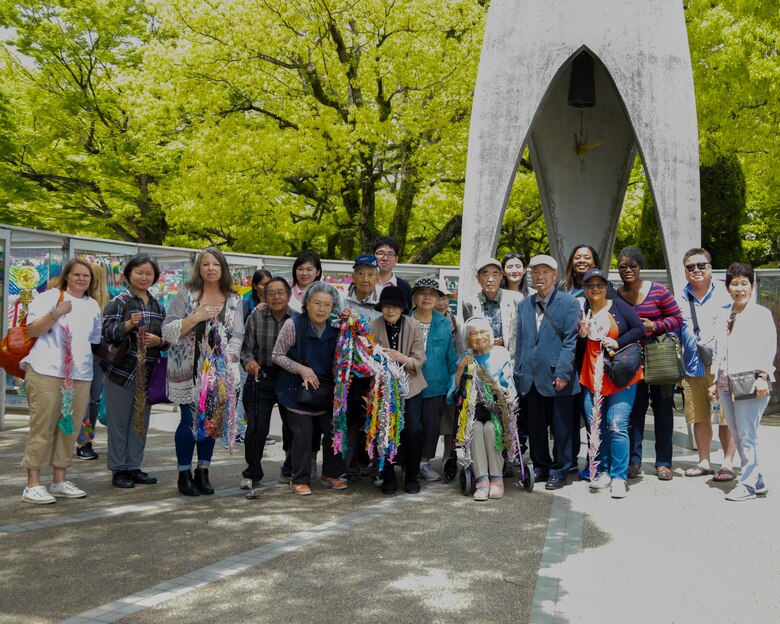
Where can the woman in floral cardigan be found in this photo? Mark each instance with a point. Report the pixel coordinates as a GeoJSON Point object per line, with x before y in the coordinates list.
{"type": "Point", "coordinates": [205, 313]}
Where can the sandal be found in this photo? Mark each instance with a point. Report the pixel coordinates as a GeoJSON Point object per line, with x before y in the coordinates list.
{"type": "Point", "coordinates": [664, 473]}
{"type": "Point", "coordinates": [698, 471]}
{"type": "Point", "coordinates": [724, 474]}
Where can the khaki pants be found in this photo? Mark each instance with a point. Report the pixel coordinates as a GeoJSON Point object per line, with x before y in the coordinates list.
{"type": "Point", "coordinates": [46, 444]}
{"type": "Point", "coordinates": [486, 460]}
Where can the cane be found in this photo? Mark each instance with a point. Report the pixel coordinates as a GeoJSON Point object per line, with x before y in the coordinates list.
{"type": "Point", "coordinates": [253, 493]}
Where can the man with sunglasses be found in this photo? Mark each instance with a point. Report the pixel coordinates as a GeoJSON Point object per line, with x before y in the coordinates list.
{"type": "Point", "coordinates": [702, 302]}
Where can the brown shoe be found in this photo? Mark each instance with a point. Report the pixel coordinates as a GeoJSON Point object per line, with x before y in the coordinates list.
{"type": "Point", "coordinates": [301, 489]}
{"type": "Point", "coordinates": [334, 483]}
{"type": "Point", "coordinates": [664, 473]}
{"type": "Point", "coordinates": [634, 471]}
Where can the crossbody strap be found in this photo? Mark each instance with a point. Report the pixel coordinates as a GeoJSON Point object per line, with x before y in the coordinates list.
{"type": "Point", "coordinates": [693, 316]}
{"type": "Point", "coordinates": [552, 324]}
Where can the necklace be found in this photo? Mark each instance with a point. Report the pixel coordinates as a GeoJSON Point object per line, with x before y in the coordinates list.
{"type": "Point", "coordinates": [599, 325]}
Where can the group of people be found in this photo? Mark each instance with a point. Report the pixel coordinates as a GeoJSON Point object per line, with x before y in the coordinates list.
{"type": "Point", "coordinates": [526, 366]}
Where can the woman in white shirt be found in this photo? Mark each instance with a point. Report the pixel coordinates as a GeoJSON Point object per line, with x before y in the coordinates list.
{"type": "Point", "coordinates": [66, 321]}
{"type": "Point", "coordinates": [747, 343]}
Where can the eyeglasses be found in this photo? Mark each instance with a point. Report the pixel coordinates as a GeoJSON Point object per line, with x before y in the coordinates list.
{"type": "Point", "coordinates": [628, 267]}
{"type": "Point", "coordinates": [597, 286]}
{"type": "Point", "coordinates": [696, 265]}
{"type": "Point", "coordinates": [384, 254]}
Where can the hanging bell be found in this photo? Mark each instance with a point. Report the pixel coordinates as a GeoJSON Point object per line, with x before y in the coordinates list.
{"type": "Point", "coordinates": [582, 82]}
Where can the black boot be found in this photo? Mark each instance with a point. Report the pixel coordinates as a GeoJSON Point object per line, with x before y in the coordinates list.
{"type": "Point", "coordinates": [201, 480]}
{"type": "Point", "coordinates": [186, 484]}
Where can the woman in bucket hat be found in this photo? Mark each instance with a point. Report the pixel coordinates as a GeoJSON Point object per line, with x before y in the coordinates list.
{"type": "Point", "coordinates": [439, 367]}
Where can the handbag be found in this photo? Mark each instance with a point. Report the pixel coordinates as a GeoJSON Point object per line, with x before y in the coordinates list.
{"type": "Point", "coordinates": [621, 366]}
{"type": "Point", "coordinates": [705, 352]}
{"type": "Point", "coordinates": [741, 385]}
{"type": "Point", "coordinates": [663, 360]}
{"type": "Point", "coordinates": [157, 389]}
{"type": "Point", "coordinates": [17, 345]}
{"type": "Point", "coordinates": [321, 398]}
{"type": "Point", "coordinates": [113, 353]}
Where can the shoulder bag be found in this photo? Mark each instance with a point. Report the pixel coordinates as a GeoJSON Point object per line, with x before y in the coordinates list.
{"type": "Point", "coordinates": [663, 360]}
{"type": "Point", "coordinates": [111, 353]}
{"type": "Point", "coordinates": [315, 399]}
{"type": "Point", "coordinates": [621, 365]}
{"type": "Point", "coordinates": [17, 345]}
{"type": "Point", "coordinates": [705, 352]}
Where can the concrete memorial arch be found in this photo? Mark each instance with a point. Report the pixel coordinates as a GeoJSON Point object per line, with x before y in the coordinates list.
{"type": "Point", "coordinates": [585, 85]}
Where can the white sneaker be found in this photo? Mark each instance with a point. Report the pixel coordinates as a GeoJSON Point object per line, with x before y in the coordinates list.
{"type": "Point", "coordinates": [37, 495]}
{"type": "Point", "coordinates": [740, 493]}
{"type": "Point", "coordinates": [618, 488]}
{"type": "Point", "coordinates": [428, 473]}
{"type": "Point", "coordinates": [602, 481]}
{"type": "Point", "coordinates": [482, 492]}
{"type": "Point", "coordinates": [66, 489]}
{"type": "Point", "coordinates": [246, 484]}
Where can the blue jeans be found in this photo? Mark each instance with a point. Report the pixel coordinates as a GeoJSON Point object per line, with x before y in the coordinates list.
{"type": "Point", "coordinates": [662, 400]}
{"type": "Point", "coordinates": [185, 443]}
{"type": "Point", "coordinates": [615, 410]}
{"type": "Point", "coordinates": [743, 418]}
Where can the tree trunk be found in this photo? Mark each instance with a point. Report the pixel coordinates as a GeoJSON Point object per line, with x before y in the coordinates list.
{"type": "Point", "coordinates": [439, 242]}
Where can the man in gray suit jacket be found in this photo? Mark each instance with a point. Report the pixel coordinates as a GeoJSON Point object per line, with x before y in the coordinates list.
{"type": "Point", "coordinates": [544, 371]}
{"type": "Point", "coordinates": [496, 305]}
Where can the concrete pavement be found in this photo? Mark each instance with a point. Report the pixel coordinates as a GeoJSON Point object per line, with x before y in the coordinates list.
{"type": "Point", "coordinates": [669, 552]}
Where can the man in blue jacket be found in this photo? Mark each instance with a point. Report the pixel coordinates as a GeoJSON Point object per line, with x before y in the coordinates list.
{"type": "Point", "coordinates": [544, 371]}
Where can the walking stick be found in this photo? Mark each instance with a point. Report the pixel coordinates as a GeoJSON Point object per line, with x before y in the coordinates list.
{"type": "Point", "coordinates": [253, 493]}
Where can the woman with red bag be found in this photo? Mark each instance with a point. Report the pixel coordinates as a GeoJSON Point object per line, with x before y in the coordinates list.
{"type": "Point", "coordinates": [58, 374]}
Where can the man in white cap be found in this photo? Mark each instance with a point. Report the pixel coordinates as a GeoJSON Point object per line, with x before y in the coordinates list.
{"type": "Point", "coordinates": [545, 373]}
{"type": "Point", "coordinates": [496, 305]}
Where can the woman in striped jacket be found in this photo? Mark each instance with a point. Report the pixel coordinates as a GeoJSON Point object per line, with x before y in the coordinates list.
{"type": "Point", "coordinates": [659, 312]}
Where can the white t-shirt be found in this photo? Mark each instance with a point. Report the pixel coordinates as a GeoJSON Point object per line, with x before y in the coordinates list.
{"type": "Point", "coordinates": [46, 357]}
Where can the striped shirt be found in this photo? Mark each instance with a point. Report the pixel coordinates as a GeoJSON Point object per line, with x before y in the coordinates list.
{"type": "Point", "coordinates": [117, 311]}
{"type": "Point", "coordinates": [661, 308]}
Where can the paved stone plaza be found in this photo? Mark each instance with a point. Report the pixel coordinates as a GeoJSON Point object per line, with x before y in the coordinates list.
{"type": "Point", "coordinates": [670, 552]}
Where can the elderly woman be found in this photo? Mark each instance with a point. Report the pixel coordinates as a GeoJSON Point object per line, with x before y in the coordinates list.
{"type": "Point", "coordinates": [747, 344]}
{"type": "Point", "coordinates": [439, 367]}
{"type": "Point", "coordinates": [488, 364]}
{"type": "Point", "coordinates": [132, 313]}
{"type": "Point", "coordinates": [207, 307]}
{"type": "Point", "coordinates": [659, 313]}
{"type": "Point", "coordinates": [402, 338]}
{"type": "Point", "coordinates": [305, 351]}
{"type": "Point", "coordinates": [609, 325]}
{"type": "Point", "coordinates": [66, 320]}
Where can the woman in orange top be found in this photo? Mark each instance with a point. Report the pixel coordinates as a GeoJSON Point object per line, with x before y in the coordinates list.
{"type": "Point", "coordinates": [608, 324]}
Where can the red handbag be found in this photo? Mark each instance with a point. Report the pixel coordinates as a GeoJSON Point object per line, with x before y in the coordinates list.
{"type": "Point", "coordinates": [16, 346]}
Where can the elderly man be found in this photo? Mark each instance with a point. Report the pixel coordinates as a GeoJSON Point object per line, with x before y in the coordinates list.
{"type": "Point", "coordinates": [496, 305]}
{"type": "Point", "coordinates": [702, 303]}
{"type": "Point", "coordinates": [544, 371]}
{"type": "Point", "coordinates": [259, 393]}
{"type": "Point", "coordinates": [362, 297]}
{"type": "Point", "coordinates": [363, 293]}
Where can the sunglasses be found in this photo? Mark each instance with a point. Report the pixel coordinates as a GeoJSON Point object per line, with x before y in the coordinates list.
{"type": "Point", "coordinates": [730, 322]}
{"type": "Point", "coordinates": [628, 267]}
{"type": "Point", "coordinates": [514, 254]}
{"type": "Point", "coordinates": [596, 286]}
{"type": "Point", "coordinates": [696, 265]}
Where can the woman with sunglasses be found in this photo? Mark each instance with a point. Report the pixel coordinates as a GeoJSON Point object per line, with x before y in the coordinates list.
{"type": "Point", "coordinates": [659, 314]}
{"type": "Point", "coordinates": [747, 343]}
{"type": "Point", "coordinates": [513, 265]}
